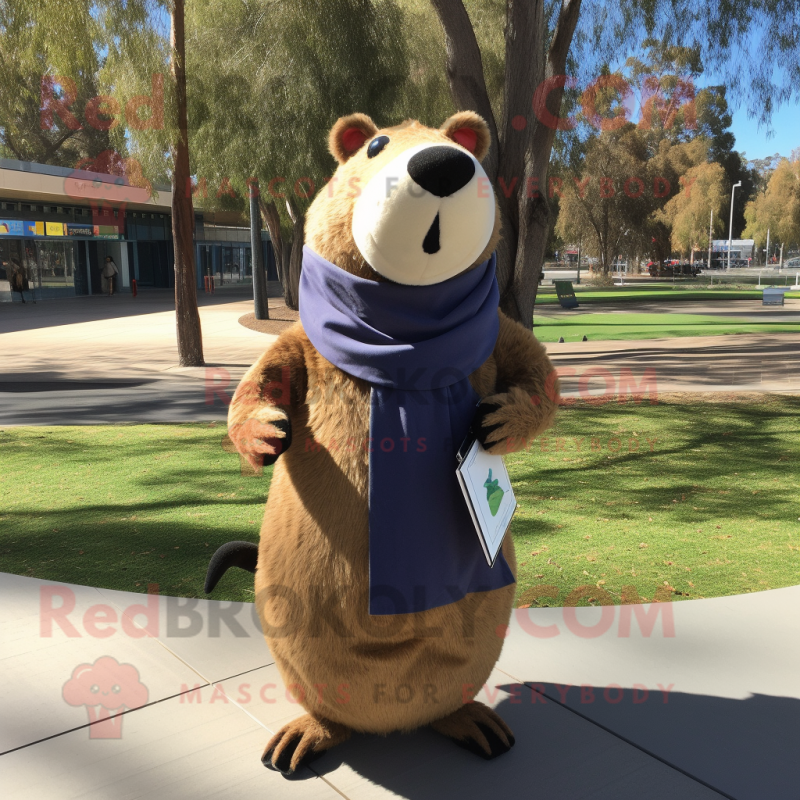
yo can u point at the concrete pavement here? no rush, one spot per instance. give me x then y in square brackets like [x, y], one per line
[99, 359]
[695, 700]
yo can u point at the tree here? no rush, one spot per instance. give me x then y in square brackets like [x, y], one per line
[616, 205]
[538, 39]
[263, 109]
[71, 49]
[607, 203]
[763, 169]
[44, 91]
[673, 109]
[776, 209]
[705, 188]
[665, 80]
[190, 337]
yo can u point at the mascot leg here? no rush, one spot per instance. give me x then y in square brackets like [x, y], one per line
[476, 728]
[301, 741]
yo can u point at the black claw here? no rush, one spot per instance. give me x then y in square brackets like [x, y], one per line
[479, 428]
[472, 746]
[284, 761]
[496, 745]
[282, 425]
[283, 764]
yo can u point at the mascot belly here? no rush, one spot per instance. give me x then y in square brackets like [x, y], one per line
[371, 586]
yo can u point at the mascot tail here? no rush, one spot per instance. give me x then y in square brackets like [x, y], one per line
[232, 554]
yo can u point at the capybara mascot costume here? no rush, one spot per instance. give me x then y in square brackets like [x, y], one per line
[373, 592]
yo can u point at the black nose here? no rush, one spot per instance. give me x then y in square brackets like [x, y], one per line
[441, 170]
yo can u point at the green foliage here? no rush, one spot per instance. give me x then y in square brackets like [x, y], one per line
[777, 209]
[704, 190]
[264, 107]
[687, 144]
[95, 45]
[611, 205]
[32, 52]
[488, 22]
[739, 40]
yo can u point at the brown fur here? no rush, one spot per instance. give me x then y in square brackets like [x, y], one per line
[374, 674]
[329, 220]
[469, 119]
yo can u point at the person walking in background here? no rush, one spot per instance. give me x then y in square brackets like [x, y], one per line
[18, 279]
[109, 275]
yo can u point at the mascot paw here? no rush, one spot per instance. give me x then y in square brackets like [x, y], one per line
[477, 728]
[300, 742]
[260, 442]
[505, 423]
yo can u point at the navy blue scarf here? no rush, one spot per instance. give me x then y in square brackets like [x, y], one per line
[416, 346]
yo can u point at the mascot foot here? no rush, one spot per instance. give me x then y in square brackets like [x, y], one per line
[477, 728]
[300, 742]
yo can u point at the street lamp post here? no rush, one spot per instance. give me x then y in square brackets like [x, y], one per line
[730, 226]
[710, 240]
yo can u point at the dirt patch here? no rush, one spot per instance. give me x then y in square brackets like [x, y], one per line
[280, 318]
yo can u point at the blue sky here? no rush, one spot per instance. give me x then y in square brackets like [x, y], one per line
[752, 139]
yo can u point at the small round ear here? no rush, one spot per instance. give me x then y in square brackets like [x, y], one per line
[348, 135]
[470, 131]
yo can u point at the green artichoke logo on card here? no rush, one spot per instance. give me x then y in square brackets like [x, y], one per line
[494, 494]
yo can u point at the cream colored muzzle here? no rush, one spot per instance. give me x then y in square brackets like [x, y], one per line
[426, 216]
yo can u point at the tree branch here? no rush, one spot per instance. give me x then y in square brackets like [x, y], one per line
[465, 71]
[556, 64]
[52, 147]
[562, 37]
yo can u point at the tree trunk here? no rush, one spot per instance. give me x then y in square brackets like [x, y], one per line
[271, 217]
[520, 156]
[296, 257]
[287, 289]
[260, 303]
[190, 337]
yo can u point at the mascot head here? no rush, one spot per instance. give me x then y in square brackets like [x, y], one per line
[408, 204]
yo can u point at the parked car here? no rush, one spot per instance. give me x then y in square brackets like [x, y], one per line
[673, 268]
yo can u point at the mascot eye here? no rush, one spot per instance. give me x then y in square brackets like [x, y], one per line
[116, 688]
[95, 688]
[376, 145]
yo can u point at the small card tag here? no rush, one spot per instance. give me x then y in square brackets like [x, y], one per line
[487, 489]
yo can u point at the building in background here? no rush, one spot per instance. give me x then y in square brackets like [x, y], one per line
[741, 250]
[59, 224]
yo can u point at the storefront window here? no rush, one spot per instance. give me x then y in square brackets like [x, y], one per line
[10, 257]
[56, 264]
[47, 265]
[31, 264]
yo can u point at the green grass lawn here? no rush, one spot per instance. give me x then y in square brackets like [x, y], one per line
[664, 293]
[694, 499]
[124, 506]
[598, 327]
